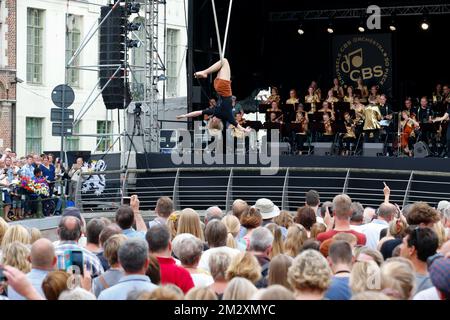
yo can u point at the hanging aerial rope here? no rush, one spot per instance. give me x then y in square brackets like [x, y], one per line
[222, 114]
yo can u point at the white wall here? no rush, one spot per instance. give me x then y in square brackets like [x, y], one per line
[35, 101]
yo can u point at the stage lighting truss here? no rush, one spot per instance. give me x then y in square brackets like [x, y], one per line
[438, 9]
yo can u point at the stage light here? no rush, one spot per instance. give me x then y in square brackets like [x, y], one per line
[361, 26]
[392, 25]
[330, 28]
[133, 7]
[134, 26]
[424, 24]
[134, 43]
[300, 30]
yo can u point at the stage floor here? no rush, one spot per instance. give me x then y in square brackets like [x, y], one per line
[157, 160]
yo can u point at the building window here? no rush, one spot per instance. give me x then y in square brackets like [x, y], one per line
[172, 62]
[73, 38]
[35, 31]
[73, 142]
[33, 135]
[104, 142]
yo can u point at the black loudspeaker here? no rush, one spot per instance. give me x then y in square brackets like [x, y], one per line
[116, 94]
[373, 149]
[196, 94]
[421, 150]
[322, 148]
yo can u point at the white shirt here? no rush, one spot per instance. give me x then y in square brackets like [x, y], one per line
[372, 232]
[202, 279]
[204, 260]
[427, 294]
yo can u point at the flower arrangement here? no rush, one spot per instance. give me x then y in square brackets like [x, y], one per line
[37, 186]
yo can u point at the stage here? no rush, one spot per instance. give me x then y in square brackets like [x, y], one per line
[157, 160]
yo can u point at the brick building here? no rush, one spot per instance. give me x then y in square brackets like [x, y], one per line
[8, 78]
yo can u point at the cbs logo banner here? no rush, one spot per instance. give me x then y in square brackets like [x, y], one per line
[366, 57]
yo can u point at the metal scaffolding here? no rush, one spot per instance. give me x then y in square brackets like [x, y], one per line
[437, 9]
[152, 67]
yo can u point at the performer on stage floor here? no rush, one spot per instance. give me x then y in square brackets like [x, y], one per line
[372, 116]
[222, 114]
[445, 117]
[348, 138]
[408, 137]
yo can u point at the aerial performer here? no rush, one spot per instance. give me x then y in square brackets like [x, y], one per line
[221, 114]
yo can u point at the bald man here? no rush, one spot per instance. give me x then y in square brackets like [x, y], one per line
[385, 214]
[69, 232]
[43, 260]
[213, 213]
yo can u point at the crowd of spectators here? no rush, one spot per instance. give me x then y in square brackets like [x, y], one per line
[335, 250]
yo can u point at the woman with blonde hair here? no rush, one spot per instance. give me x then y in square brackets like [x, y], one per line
[189, 222]
[166, 292]
[35, 234]
[396, 230]
[278, 270]
[398, 278]
[16, 233]
[233, 227]
[200, 293]
[239, 289]
[278, 243]
[3, 227]
[284, 219]
[295, 238]
[172, 223]
[16, 255]
[365, 275]
[317, 228]
[244, 265]
[310, 275]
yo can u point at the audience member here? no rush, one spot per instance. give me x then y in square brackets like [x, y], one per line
[278, 270]
[163, 209]
[372, 230]
[159, 244]
[189, 222]
[398, 279]
[213, 213]
[54, 283]
[218, 265]
[340, 258]
[133, 257]
[239, 289]
[244, 265]
[275, 292]
[295, 238]
[201, 294]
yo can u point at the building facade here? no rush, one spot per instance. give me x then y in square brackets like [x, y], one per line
[7, 73]
[48, 34]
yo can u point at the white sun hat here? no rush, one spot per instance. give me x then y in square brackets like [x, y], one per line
[267, 208]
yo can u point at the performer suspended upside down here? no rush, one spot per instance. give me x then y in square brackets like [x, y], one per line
[221, 114]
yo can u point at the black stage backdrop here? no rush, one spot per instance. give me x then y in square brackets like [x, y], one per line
[368, 57]
[264, 53]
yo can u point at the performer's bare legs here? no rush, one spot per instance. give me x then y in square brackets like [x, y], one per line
[222, 67]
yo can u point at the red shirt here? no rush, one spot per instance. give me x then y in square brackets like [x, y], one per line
[171, 273]
[361, 238]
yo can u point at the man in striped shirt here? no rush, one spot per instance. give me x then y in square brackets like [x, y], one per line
[69, 231]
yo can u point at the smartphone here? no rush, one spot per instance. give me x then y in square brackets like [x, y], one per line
[126, 200]
[2, 275]
[74, 261]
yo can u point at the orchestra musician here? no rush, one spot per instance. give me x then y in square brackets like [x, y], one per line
[292, 97]
[437, 93]
[445, 95]
[359, 110]
[326, 109]
[350, 95]
[328, 133]
[445, 117]
[387, 114]
[349, 137]
[312, 97]
[337, 89]
[331, 98]
[362, 89]
[274, 96]
[410, 108]
[374, 93]
[274, 106]
[424, 115]
[408, 137]
[300, 136]
[316, 89]
[274, 119]
[372, 116]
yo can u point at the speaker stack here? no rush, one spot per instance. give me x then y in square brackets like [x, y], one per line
[116, 93]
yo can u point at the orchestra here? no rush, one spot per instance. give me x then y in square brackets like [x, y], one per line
[350, 116]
